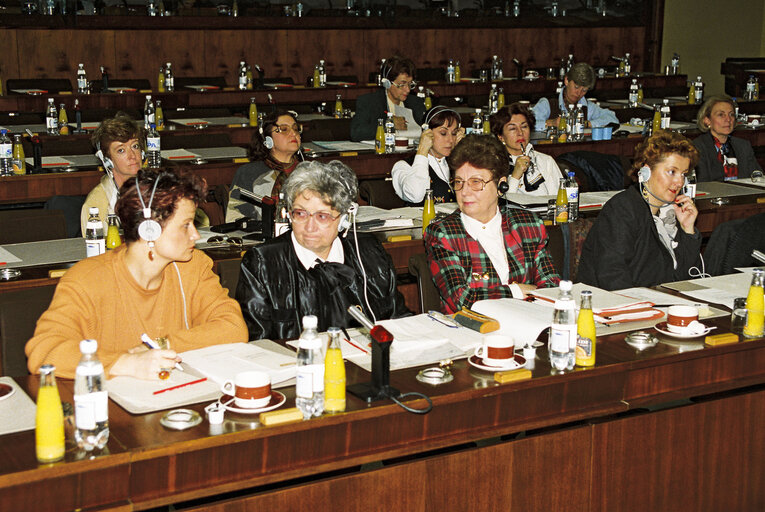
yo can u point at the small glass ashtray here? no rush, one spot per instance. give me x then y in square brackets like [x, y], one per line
[435, 375]
[641, 340]
[9, 274]
[180, 419]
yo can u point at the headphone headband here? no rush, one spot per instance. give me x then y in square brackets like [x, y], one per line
[433, 112]
[149, 229]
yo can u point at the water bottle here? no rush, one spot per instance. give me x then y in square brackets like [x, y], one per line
[633, 95]
[572, 192]
[390, 134]
[6, 154]
[477, 127]
[450, 77]
[698, 90]
[148, 112]
[749, 92]
[322, 74]
[82, 80]
[562, 344]
[309, 386]
[627, 65]
[151, 8]
[95, 243]
[51, 118]
[242, 76]
[493, 99]
[91, 401]
[665, 115]
[153, 147]
[169, 80]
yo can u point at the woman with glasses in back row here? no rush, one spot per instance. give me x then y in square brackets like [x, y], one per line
[482, 251]
[274, 152]
[310, 269]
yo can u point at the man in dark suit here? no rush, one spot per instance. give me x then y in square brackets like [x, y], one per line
[395, 96]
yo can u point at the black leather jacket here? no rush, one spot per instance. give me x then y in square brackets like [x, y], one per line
[275, 291]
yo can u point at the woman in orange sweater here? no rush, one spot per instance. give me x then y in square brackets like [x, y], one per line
[156, 284]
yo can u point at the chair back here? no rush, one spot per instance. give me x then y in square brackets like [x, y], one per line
[19, 312]
[380, 193]
[19, 226]
[426, 288]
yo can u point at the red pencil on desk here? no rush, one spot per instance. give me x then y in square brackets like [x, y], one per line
[181, 385]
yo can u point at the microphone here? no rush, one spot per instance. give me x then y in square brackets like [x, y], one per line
[662, 201]
[379, 388]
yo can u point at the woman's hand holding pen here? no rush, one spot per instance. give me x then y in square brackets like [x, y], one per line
[145, 363]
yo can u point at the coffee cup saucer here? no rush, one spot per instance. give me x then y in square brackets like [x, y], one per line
[277, 399]
[664, 329]
[516, 362]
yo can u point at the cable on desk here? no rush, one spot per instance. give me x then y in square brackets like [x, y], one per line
[411, 409]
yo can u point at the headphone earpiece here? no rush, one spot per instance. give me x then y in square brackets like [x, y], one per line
[268, 142]
[644, 174]
[503, 187]
[347, 218]
[143, 156]
[108, 164]
[384, 72]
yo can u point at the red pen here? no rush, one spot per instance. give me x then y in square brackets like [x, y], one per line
[181, 385]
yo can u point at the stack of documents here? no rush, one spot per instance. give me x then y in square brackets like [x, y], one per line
[608, 307]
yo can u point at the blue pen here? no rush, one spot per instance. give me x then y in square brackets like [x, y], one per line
[443, 319]
[150, 343]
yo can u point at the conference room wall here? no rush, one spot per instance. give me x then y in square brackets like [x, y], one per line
[55, 53]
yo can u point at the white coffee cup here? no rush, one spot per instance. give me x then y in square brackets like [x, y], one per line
[679, 318]
[251, 389]
[496, 350]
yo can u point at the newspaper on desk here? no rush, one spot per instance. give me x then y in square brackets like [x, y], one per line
[717, 290]
[216, 363]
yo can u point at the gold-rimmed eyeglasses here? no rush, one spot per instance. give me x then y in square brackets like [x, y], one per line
[232, 241]
[475, 184]
[324, 218]
[411, 85]
[285, 128]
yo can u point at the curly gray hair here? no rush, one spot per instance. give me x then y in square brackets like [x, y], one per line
[334, 182]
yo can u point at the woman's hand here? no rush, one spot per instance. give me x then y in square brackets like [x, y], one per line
[426, 142]
[521, 164]
[143, 363]
[686, 213]
[460, 135]
[526, 289]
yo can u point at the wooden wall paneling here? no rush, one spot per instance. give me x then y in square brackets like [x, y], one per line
[715, 465]
[9, 57]
[45, 53]
[140, 54]
[417, 45]
[338, 48]
[226, 48]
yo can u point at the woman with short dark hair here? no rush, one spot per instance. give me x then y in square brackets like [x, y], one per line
[482, 251]
[274, 151]
[156, 284]
[646, 235]
[530, 172]
[428, 169]
[310, 269]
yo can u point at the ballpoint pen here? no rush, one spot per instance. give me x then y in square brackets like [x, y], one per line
[150, 343]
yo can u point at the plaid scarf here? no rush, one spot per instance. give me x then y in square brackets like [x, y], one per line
[284, 171]
[727, 158]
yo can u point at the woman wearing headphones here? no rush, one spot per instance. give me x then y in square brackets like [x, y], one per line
[156, 284]
[481, 251]
[310, 270]
[428, 169]
[274, 151]
[120, 144]
[646, 235]
[531, 172]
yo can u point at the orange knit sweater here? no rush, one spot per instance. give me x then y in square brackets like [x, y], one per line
[99, 299]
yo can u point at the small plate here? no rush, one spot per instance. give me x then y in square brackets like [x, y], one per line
[6, 391]
[662, 328]
[517, 362]
[277, 399]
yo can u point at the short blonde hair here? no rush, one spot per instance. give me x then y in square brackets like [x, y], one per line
[706, 110]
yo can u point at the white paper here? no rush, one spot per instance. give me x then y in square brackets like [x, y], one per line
[522, 320]
[717, 290]
[17, 412]
[222, 362]
[178, 154]
[137, 395]
[7, 256]
[342, 145]
[603, 301]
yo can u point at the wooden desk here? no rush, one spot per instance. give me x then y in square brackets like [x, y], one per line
[593, 440]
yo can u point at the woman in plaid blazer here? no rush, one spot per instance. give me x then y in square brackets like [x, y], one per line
[482, 251]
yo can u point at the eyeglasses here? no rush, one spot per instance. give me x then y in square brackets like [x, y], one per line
[233, 241]
[324, 218]
[411, 85]
[475, 184]
[285, 128]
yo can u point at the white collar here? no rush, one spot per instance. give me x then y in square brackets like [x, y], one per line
[308, 258]
[476, 228]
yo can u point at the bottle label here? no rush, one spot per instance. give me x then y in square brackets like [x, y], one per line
[82, 83]
[152, 143]
[583, 348]
[6, 150]
[95, 247]
[90, 409]
[309, 380]
[51, 123]
[90, 370]
[562, 338]
[390, 139]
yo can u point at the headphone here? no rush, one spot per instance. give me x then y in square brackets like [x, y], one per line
[385, 70]
[433, 112]
[644, 174]
[268, 141]
[348, 218]
[108, 164]
[149, 229]
[503, 187]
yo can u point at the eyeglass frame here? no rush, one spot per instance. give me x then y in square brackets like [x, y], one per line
[221, 240]
[411, 85]
[294, 218]
[453, 183]
[285, 128]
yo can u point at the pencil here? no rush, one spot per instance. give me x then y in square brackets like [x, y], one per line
[181, 385]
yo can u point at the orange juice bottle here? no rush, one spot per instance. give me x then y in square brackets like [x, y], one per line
[161, 80]
[49, 422]
[656, 123]
[63, 121]
[380, 138]
[561, 204]
[585, 332]
[428, 102]
[334, 374]
[692, 94]
[253, 113]
[755, 305]
[428, 209]
[113, 239]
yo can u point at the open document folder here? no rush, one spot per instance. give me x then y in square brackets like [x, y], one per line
[205, 370]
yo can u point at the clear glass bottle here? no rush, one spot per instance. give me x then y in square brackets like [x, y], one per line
[113, 239]
[49, 420]
[428, 209]
[153, 148]
[159, 116]
[19, 161]
[95, 243]
[572, 194]
[242, 76]
[253, 113]
[450, 72]
[665, 115]
[169, 78]
[281, 218]
[334, 373]
[755, 305]
[91, 400]
[477, 126]
[585, 332]
[309, 386]
[390, 134]
[51, 118]
[380, 138]
[82, 80]
[633, 94]
[562, 344]
[6, 154]
[149, 112]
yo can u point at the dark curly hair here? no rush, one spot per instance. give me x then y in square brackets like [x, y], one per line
[482, 152]
[501, 117]
[659, 146]
[172, 186]
[258, 150]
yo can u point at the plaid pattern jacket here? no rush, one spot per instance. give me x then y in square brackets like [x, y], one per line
[462, 271]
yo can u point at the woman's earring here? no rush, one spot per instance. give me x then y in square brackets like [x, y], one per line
[151, 253]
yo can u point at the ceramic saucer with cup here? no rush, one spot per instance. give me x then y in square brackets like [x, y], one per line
[250, 392]
[683, 322]
[496, 353]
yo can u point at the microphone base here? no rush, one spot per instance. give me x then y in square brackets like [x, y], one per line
[369, 393]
